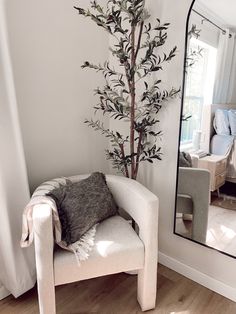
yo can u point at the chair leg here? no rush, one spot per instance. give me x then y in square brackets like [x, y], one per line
[46, 298]
[43, 242]
[147, 281]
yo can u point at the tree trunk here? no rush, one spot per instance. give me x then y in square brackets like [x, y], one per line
[132, 109]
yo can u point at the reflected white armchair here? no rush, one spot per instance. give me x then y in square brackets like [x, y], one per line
[193, 198]
[117, 247]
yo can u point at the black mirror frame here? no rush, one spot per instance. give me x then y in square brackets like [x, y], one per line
[180, 129]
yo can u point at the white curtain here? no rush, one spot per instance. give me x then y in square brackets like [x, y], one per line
[225, 77]
[17, 270]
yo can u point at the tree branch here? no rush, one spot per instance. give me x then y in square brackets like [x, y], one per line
[139, 39]
[123, 156]
[138, 153]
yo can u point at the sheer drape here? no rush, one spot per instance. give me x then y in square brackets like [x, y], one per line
[225, 73]
[17, 272]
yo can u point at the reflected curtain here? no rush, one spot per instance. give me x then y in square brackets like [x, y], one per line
[17, 270]
[225, 74]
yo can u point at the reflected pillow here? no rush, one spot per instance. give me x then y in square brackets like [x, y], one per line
[232, 121]
[221, 122]
[185, 159]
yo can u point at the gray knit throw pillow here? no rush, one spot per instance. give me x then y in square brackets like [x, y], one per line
[83, 204]
[185, 159]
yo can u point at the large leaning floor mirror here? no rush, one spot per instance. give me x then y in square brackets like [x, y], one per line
[206, 184]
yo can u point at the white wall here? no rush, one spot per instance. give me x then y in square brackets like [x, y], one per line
[162, 179]
[48, 44]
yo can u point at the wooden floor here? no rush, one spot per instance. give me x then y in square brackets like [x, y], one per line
[116, 294]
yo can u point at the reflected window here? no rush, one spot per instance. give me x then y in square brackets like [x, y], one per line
[199, 87]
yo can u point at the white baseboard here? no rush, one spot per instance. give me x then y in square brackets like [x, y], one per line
[195, 275]
[3, 292]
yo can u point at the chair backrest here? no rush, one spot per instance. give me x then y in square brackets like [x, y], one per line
[125, 196]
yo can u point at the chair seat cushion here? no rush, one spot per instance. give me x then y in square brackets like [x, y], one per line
[117, 248]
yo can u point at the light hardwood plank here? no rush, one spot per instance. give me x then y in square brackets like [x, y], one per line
[116, 294]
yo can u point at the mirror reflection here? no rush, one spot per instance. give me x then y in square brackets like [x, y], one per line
[206, 187]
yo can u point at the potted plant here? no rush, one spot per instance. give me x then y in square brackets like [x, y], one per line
[136, 44]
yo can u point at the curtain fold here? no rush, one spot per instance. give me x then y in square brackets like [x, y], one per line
[223, 88]
[17, 266]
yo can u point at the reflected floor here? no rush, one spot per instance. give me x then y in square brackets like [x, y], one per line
[221, 233]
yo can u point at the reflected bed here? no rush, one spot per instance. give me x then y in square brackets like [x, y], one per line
[231, 168]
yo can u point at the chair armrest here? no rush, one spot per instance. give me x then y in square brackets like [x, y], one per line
[43, 231]
[134, 198]
[142, 205]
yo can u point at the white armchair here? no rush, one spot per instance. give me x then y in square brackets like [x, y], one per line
[117, 247]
